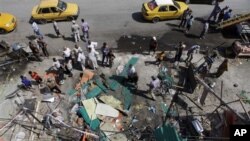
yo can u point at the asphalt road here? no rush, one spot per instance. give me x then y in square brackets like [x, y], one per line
[109, 20]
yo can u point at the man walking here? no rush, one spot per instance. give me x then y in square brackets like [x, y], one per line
[153, 45]
[204, 30]
[189, 23]
[92, 57]
[85, 30]
[56, 28]
[154, 84]
[179, 51]
[76, 31]
[190, 53]
[184, 18]
[105, 51]
[215, 12]
[36, 29]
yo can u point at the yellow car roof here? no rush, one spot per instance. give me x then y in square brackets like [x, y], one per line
[48, 3]
[164, 2]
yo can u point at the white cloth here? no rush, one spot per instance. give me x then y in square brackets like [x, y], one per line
[92, 45]
[81, 57]
[35, 26]
[206, 26]
[78, 49]
[69, 65]
[67, 52]
[57, 64]
[92, 57]
[155, 83]
[131, 71]
[85, 26]
[75, 28]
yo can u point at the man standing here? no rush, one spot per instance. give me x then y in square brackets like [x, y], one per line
[35, 51]
[76, 31]
[154, 84]
[43, 45]
[92, 45]
[66, 54]
[153, 45]
[215, 12]
[105, 51]
[130, 72]
[191, 51]
[81, 59]
[56, 28]
[92, 57]
[36, 77]
[36, 29]
[189, 23]
[111, 57]
[179, 51]
[59, 71]
[184, 18]
[85, 30]
[205, 30]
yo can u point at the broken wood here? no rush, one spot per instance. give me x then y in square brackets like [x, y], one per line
[222, 102]
[241, 103]
[193, 102]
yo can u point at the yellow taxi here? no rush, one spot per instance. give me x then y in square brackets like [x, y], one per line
[7, 22]
[162, 10]
[49, 10]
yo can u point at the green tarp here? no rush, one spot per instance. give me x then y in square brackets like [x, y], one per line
[94, 124]
[167, 133]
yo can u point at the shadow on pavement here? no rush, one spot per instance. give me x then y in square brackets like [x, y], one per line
[137, 16]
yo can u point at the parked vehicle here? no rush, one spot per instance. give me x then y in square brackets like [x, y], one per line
[7, 22]
[49, 10]
[157, 10]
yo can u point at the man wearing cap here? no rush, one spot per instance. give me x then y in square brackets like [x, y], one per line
[153, 45]
[76, 31]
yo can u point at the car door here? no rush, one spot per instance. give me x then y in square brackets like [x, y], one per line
[163, 12]
[45, 13]
[57, 13]
[173, 12]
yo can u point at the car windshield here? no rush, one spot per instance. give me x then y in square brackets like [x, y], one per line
[152, 5]
[176, 4]
[62, 5]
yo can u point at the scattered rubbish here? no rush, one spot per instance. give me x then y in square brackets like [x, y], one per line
[152, 109]
[133, 43]
[20, 136]
[48, 98]
[106, 110]
[197, 125]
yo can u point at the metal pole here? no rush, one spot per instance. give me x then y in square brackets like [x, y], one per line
[222, 102]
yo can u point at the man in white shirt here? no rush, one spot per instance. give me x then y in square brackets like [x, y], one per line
[36, 29]
[154, 84]
[92, 45]
[81, 59]
[92, 57]
[66, 54]
[76, 31]
[205, 30]
[85, 29]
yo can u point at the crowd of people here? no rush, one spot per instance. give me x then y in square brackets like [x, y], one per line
[77, 57]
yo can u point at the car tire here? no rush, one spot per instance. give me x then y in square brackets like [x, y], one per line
[155, 19]
[70, 18]
[2, 31]
[42, 21]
